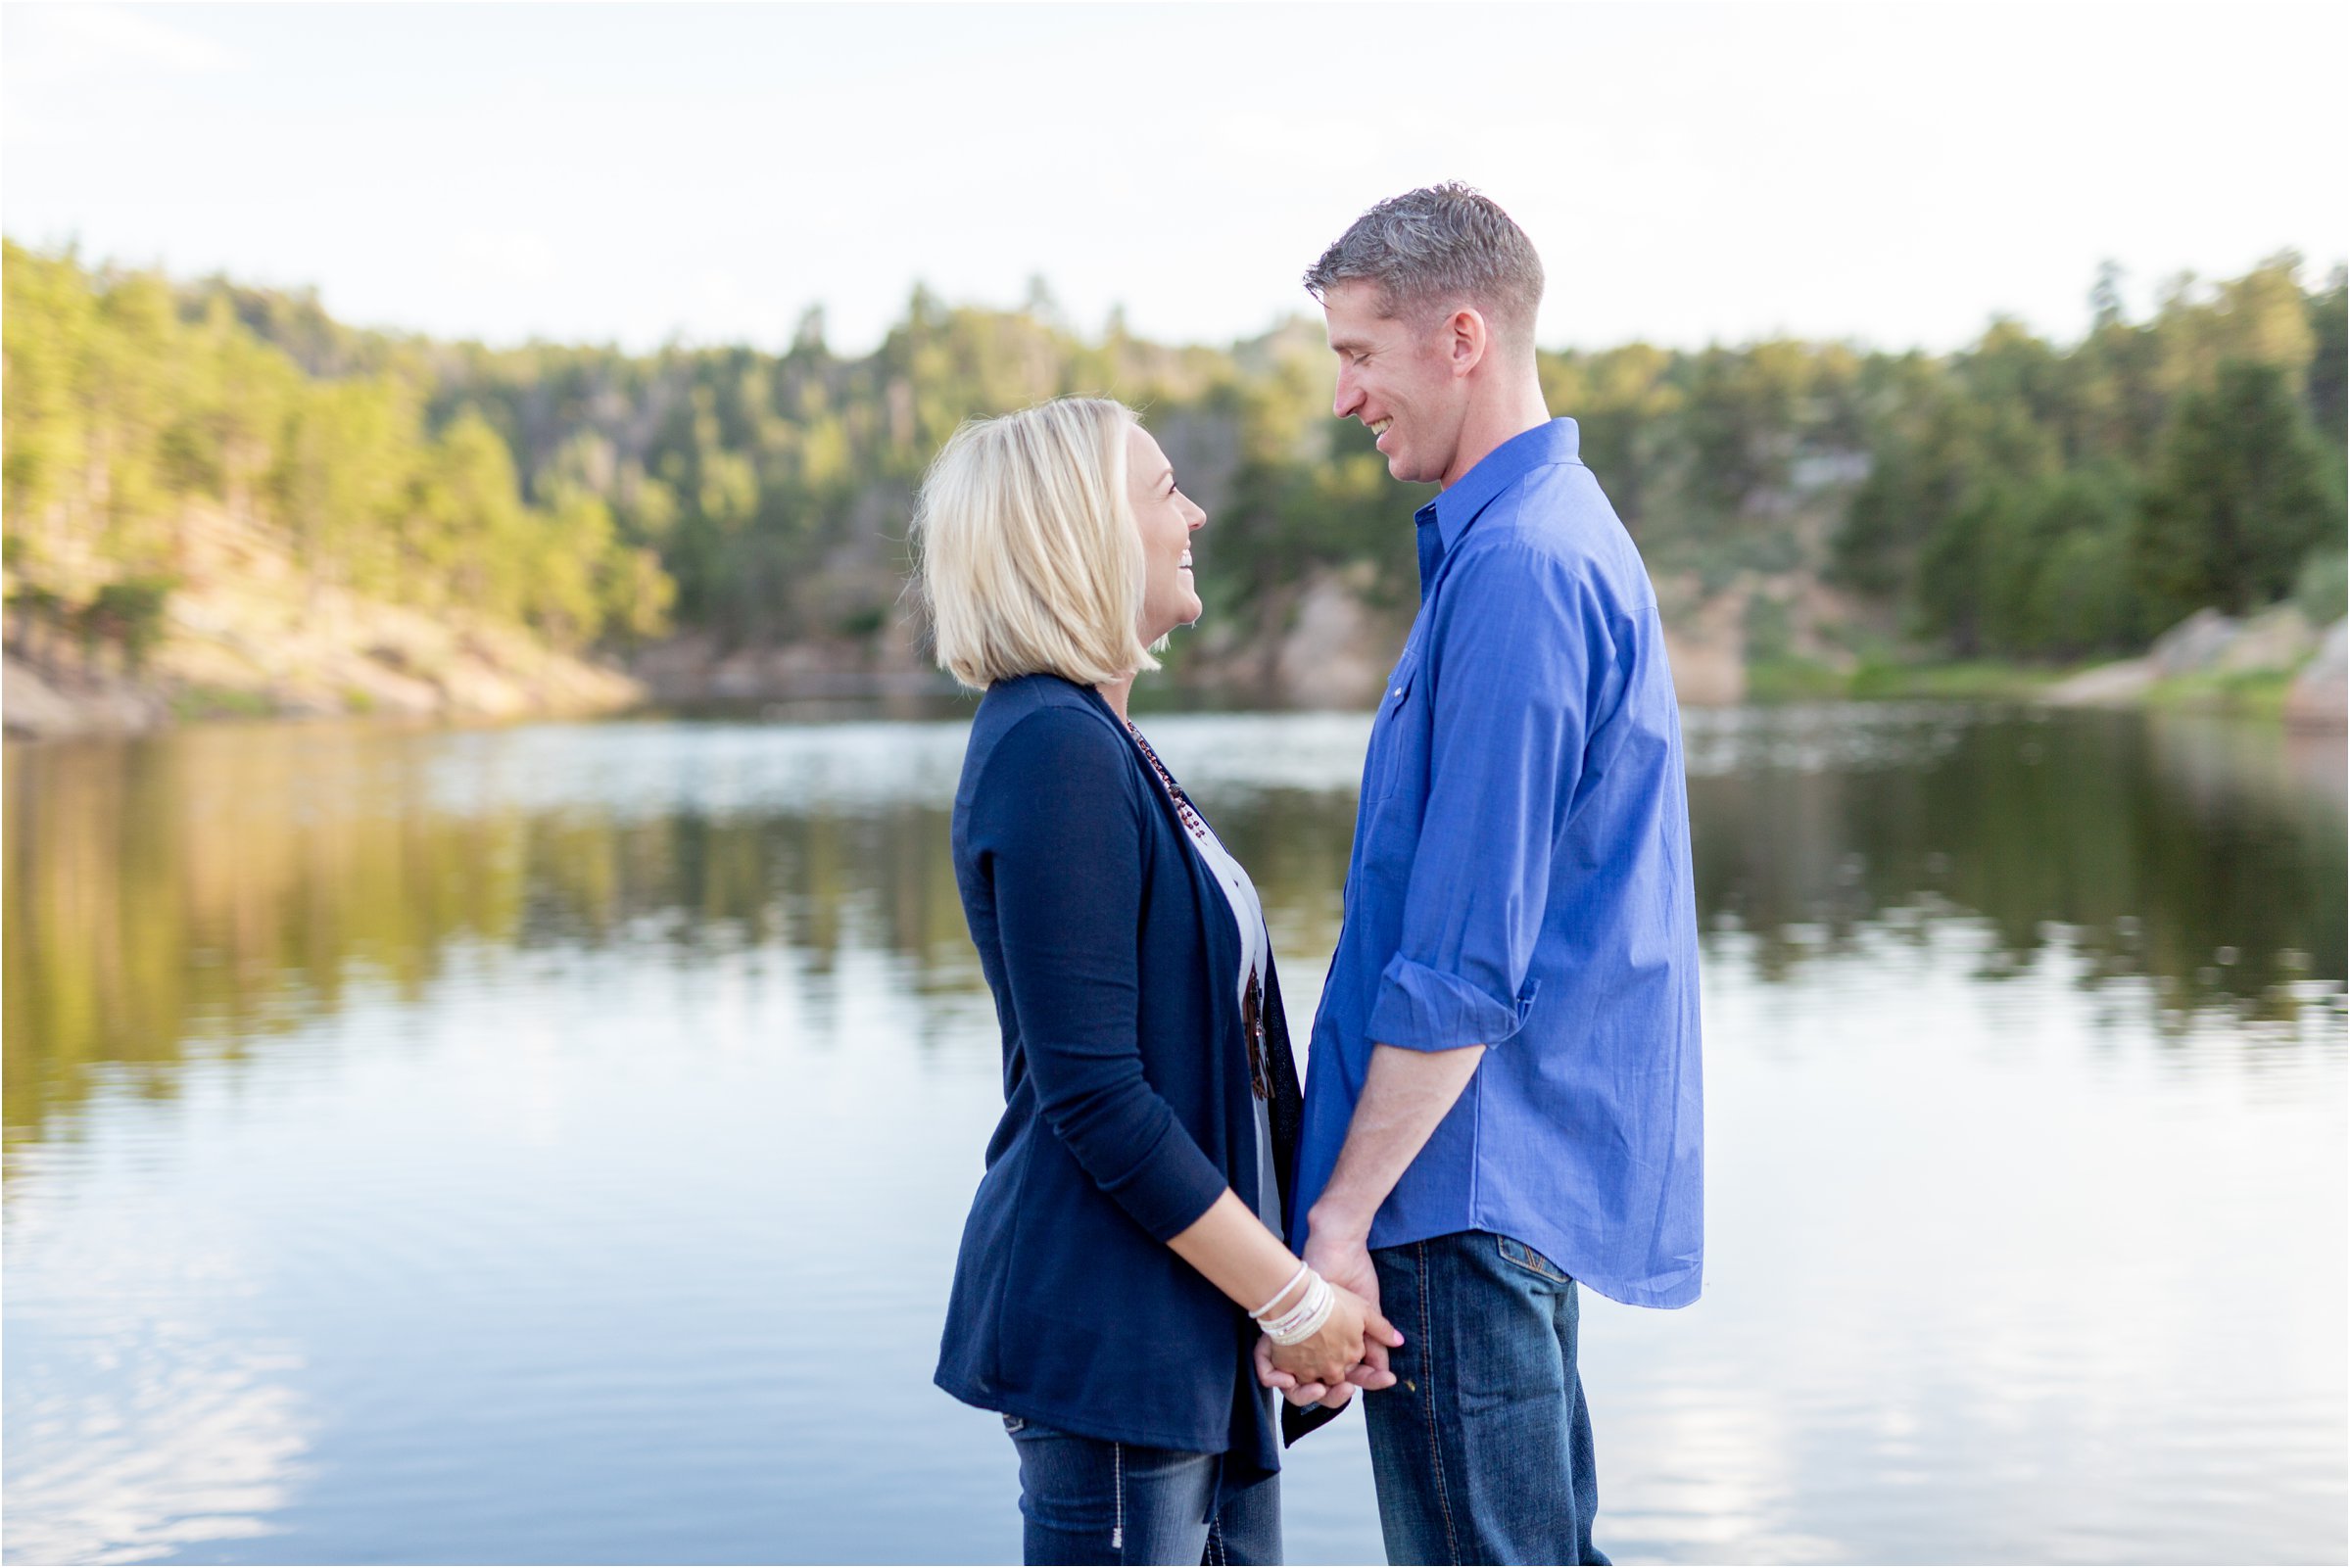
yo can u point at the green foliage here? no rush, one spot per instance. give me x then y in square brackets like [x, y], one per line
[2322, 586]
[2026, 502]
[2017, 499]
[132, 409]
[1795, 680]
[2329, 360]
[1948, 681]
[2039, 568]
[2244, 490]
[130, 615]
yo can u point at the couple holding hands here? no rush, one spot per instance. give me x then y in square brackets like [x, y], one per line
[1176, 1260]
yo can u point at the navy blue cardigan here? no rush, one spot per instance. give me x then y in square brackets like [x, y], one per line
[1114, 957]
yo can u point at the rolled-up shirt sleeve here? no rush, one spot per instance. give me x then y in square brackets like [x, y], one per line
[1510, 664]
[1059, 825]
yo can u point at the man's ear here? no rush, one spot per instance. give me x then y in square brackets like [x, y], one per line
[1466, 340]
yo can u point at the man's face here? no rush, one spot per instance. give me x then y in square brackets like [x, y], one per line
[1395, 379]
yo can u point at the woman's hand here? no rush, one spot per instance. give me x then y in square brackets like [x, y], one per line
[1334, 1361]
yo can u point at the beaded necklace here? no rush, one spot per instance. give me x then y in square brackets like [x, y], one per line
[1252, 1002]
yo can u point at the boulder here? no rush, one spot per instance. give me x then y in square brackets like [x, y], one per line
[38, 706]
[2280, 639]
[2320, 696]
[1336, 653]
[2118, 684]
[2194, 645]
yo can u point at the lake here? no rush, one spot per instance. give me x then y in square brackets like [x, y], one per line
[549, 1144]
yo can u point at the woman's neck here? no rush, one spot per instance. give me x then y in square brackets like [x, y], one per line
[1114, 692]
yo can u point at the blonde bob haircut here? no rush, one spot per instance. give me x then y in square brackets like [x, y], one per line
[1026, 550]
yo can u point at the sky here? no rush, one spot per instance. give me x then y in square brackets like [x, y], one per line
[1894, 174]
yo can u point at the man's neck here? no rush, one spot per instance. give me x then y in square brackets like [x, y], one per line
[1512, 410]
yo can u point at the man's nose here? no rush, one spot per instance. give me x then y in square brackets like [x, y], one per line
[1344, 399]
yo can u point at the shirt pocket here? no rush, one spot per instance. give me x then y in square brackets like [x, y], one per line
[1397, 733]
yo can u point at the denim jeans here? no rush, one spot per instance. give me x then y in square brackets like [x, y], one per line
[1482, 1449]
[1091, 1501]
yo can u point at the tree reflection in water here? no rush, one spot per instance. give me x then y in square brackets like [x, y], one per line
[197, 895]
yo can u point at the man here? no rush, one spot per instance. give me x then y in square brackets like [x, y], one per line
[1503, 1097]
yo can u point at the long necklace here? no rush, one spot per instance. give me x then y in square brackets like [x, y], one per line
[1252, 1001]
[1174, 791]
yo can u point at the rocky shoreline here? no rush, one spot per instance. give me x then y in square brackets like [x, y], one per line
[243, 634]
[2199, 661]
[262, 654]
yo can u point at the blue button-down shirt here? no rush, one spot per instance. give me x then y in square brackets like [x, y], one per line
[1520, 880]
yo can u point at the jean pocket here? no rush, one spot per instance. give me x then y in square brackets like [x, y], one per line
[1516, 1252]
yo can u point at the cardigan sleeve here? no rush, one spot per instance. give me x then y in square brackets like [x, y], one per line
[1057, 822]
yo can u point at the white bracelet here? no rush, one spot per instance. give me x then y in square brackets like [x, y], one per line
[1283, 1322]
[1293, 1330]
[1260, 1312]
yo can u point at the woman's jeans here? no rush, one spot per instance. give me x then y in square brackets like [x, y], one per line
[1092, 1500]
[1482, 1449]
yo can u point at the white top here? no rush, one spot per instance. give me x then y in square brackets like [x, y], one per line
[1248, 913]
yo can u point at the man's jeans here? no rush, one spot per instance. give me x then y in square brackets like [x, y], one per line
[1091, 1501]
[1482, 1449]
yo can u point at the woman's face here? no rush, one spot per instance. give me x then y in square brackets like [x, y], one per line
[1165, 517]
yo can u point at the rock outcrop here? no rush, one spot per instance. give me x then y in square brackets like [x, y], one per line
[246, 635]
[2212, 646]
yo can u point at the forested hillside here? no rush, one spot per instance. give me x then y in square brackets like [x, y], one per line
[2022, 497]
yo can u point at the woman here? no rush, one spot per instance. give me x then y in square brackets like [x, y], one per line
[1124, 1252]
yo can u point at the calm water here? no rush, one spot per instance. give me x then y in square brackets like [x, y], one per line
[548, 1145]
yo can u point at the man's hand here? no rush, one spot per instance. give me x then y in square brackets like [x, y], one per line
[1338, 1348]
[1343, 1259]
[1341, 1254]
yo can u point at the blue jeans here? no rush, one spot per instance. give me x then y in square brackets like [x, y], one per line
[1091, 1501]
[1482, 1449]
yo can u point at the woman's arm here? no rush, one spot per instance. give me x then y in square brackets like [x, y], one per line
[1059, 823]
[1056, 820]
[1231, 1246]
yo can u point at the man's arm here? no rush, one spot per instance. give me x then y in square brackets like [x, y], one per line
[1513, 645]
[1404, 1095]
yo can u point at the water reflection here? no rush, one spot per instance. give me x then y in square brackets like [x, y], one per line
[173, 1431]
[2206, 856]
[549, 1144]
[201, 893]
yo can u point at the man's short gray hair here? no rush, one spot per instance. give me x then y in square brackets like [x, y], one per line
[1431, 249]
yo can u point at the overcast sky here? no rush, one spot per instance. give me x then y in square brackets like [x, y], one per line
[1895, 173]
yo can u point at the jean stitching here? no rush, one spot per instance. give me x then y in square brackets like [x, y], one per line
[1118, 1484]
[1215, 1552]
[1552, 1272]
[1427, 1383]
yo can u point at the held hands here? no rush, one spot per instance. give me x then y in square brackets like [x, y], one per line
[1349, 1350]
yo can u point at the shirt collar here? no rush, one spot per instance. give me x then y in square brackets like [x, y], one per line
[1456, 508]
